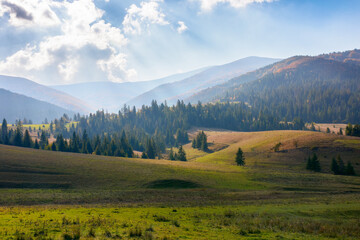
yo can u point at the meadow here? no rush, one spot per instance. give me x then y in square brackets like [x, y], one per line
[55, 195]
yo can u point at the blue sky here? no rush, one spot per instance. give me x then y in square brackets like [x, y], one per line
[62, 42]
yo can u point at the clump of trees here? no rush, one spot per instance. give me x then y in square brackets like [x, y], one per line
[313, 163]
[200, 141]
[353, 130]
[240, 158]
[180, 155]
[338, 167]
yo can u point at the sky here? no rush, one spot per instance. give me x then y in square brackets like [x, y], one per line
[56, 42]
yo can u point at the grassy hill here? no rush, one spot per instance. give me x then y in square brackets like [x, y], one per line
[206, 197]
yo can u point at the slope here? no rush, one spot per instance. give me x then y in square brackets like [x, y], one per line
[312, 88]
[15, 106]
[43, 93]
[171, 92]
[111, 96]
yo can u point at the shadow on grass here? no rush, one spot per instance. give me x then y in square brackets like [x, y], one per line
[172, 183]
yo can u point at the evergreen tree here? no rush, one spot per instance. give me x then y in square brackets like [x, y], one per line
[4, 132]
[43, 140]
[53, 146]
[335, 166]
[27, 140]
[349, 169]
[150, 149]
[36, 145]
[316, 163]
[341, 165]
[240, 159]
[309, 164]
[18, 136]
[60, 143]
[181, 154]
[171, 155]
[144, 155]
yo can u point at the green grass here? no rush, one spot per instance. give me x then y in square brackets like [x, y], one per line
[54, 195]
[333, 218]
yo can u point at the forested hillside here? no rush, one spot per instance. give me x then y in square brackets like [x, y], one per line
[313, 88]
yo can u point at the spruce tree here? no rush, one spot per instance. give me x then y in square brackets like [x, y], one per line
[4, 132]
[316, 163]
[53, 146]
[171, 155]
[349, 169]
[36, 145]
[181, 154]
[341, 165]
[144, 155]
[240, 159]
[334, 166]
[27, 139]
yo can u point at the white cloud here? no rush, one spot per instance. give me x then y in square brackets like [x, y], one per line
[141, 17]
[85, 39]
[208, 5]
[182, 27]
[25, 13]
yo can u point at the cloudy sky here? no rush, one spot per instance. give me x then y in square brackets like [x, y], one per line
[62, 42]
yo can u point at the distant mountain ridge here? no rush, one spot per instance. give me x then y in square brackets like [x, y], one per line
[111, 96]
[182, 89]
[16, 106]
[43, 93]
[322, 89]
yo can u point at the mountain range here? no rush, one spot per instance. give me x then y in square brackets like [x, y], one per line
[322, 88]
[15, 106]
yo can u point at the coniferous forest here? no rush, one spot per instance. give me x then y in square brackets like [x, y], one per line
[150, 129]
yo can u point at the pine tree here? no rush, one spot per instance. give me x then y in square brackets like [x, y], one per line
[240, 159]
[334, 166]
[53, 146]
[27, 140]
[18, 137]
[4, 132]
[43, 140]
[309, 164]
[171, 155]
[144, 155]
[181, 154]
[316, 163]
[350, 169]
[341, 165]
[36, 145]
[151, 150]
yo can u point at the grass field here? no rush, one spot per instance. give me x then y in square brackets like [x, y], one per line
[53, 195]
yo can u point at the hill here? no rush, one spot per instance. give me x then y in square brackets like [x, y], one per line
[182, 89]
[15, 106]
[111, 96]
[43, 93]
[315, 89]
[121, 198]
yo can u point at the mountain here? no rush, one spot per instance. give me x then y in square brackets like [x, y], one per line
[352, 56]
[43, 93]
[15, 106]
[111, 96]
[313, 88]
[182, 89]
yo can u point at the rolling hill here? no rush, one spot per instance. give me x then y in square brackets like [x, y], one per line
[15, 106]
[313, 88]
[111, 96]
[182, 89]
[43, 93]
